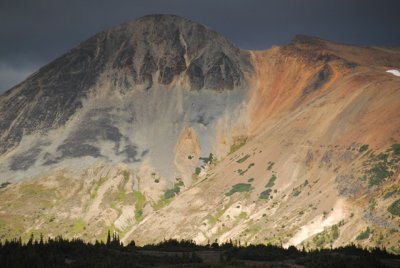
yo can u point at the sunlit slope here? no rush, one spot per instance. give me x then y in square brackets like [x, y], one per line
[310, 170]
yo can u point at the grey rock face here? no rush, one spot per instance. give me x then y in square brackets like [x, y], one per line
[318, 80]
[162, 44]
[51, 96]
[110, 97]
[172, 46]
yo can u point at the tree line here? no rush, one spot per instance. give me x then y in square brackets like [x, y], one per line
[61, 252]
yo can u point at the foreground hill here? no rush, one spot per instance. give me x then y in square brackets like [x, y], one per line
[161, 128]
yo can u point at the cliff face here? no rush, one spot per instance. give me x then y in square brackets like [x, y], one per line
[132, 88]
[160, 128]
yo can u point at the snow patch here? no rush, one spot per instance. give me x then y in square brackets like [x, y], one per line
[394, 72]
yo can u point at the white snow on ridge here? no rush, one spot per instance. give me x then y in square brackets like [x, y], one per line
[394, 72]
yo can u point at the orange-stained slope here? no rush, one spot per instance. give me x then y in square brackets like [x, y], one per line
[342, 98]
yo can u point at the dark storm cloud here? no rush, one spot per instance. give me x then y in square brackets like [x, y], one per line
[32, 33]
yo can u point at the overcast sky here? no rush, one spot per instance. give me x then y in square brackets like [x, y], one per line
[34, 32]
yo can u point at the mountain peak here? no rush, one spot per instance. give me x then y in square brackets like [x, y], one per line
[174, 45]
[158, 22]
[163, 17]
[150, 53]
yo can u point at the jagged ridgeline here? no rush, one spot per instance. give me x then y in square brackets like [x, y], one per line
[161, 128]
[124, 95]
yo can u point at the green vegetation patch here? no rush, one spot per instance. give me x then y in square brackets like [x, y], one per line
[378, 174]
[140, 201]
[251, 231]
[394, 250]
[179, 182]
[239, 142]
[297, 190]
[335, 232]
[319, 239]
[270, 165]
[271, 181]
[126, 175]
[214, 218]
[396, 149]
[326, 237]
[78, 226]
[161, 203]
[242, 216]
[239, 188]
[207, 160]
[391, 193]
[139, 198]
[170, 193]
[121, 196]
[2, 224]
[242, 172]
[394, 208]
[97, 186]
[378, 168]
[138, 215]
[364, 234]
[265, 194]
[244, 158]
[363, 148]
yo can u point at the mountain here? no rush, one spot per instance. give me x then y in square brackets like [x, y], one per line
[161, 128]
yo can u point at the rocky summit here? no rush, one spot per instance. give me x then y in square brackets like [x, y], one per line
[160, 128]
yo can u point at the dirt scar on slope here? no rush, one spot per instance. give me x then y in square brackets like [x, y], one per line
[394, 72]
[318, 224]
